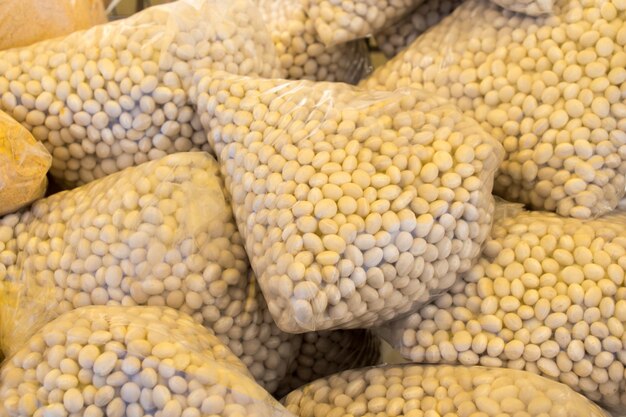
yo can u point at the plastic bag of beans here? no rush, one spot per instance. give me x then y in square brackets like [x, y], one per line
[301, 53]
[115, 95]
[550, 89]
[24, 163]
[129, 361]
[328, 352]
[547, 296]
[161, 233]
[393, 39]
[340, 22]
[419, 390]
[355, 206]
[24, 22]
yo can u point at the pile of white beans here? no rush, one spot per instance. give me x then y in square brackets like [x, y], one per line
[115, 96]
[551, 89]
[429, 391]
[157, 234]
[395, 38]
[548, 297]
[338, 22]
[355, 206]
[301, 53]
[129, 362]
[328, 352]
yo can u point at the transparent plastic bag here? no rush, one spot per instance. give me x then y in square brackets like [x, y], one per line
[346, 220]
[129, 361]
[115, 96]
[161, 233]
[24, 22]
[393, 39]
[328, 352]
[301, 53]
[528, 7]
[547, 296]
[555, 103]
[340, 22]
[420, 390]
[24, 163]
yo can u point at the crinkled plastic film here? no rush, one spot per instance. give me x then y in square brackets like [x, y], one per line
[301, 53]
[115, 96]
[528, 7]
[341, 22]
[290, 150]
[393, 39]
[119, 361]
[25, 22]
[24, 163]
[161, 233]
[328, 352]
[555, 103]
[547, 296]
[412, 389]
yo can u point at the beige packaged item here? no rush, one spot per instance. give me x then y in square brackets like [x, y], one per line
[161, 233]
[129, 361]
[115, 96]
[24, 22]
[421, 391]
[548, 296]
[338, 22]
[393, 39]
[329, 352]
[301, 53]
[24, 163]
[550, 89]
[355, 206]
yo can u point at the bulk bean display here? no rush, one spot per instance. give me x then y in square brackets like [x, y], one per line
[355, 207]
[429, 391]
[129, 362]
[338, 22]
[547, 296]
[301, 53]
[393, 39]
[157, 234]
[551, 89]
[115, 96]
[328, 352]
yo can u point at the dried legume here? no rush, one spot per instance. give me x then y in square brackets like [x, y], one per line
[355, 207]
[547, 296]
[551, 89]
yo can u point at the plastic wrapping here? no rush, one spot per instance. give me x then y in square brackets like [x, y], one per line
[129, 361]
[529, 7]
[550, 95]
[328, 352]
[417, 390]
[115, 96]
[547, 297]
[393, 39]
[161, 233]
[24, 163]
[24, 22]
[301, 53]
[355, 207]
[340, 22]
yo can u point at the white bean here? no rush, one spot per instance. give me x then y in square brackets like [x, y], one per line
[324, 116]
[539, 85]
[565, 320]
